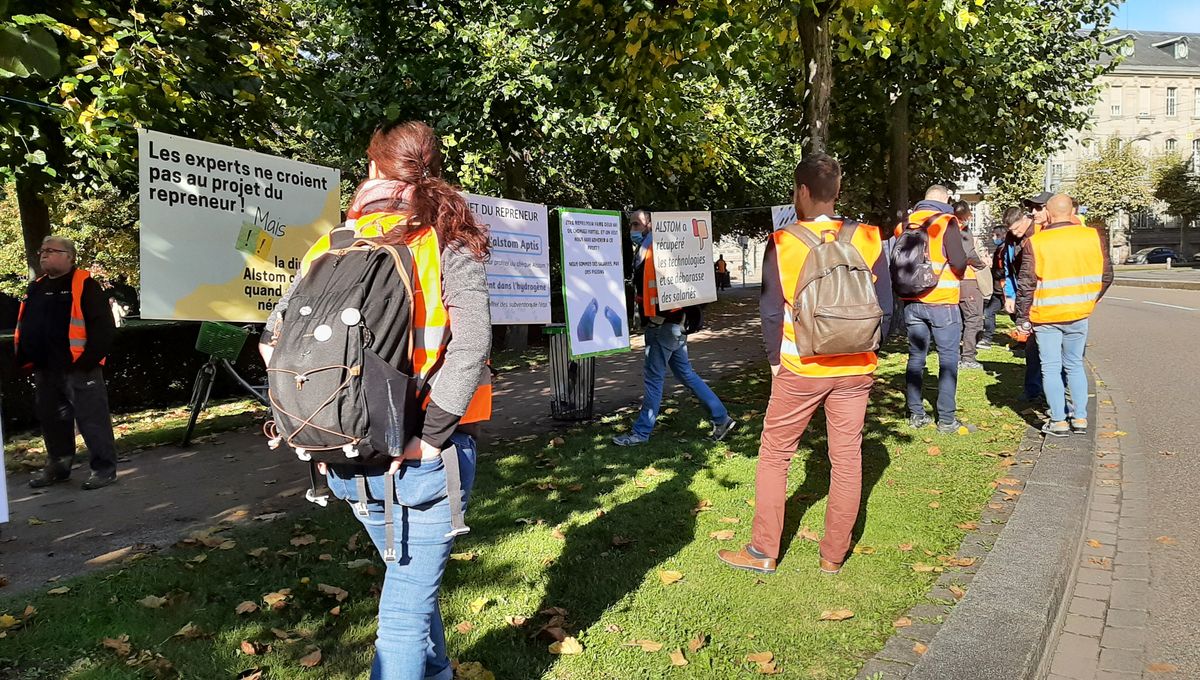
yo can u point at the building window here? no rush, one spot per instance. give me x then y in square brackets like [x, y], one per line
[1171, 101]
[1181, 49]
[1171, 146]
[1196, 155]
[1117, 94]
[1143, 102]
[1127, 48]
[1196, 96]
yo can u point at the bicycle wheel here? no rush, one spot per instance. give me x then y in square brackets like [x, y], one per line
[201, 391]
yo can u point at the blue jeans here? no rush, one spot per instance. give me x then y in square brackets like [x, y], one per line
[1061, 347]
[666, 345]
[943, 325]
[994, 304]
[411, 641]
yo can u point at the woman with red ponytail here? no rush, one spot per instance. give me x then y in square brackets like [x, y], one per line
[405, 203]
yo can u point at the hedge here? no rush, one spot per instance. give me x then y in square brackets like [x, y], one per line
[152, 365]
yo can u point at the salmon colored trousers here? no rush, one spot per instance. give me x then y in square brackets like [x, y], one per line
[794, 400]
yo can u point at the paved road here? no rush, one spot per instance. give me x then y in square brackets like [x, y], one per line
[1145, 343]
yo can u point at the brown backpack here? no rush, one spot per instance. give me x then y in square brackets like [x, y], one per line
[834, 309]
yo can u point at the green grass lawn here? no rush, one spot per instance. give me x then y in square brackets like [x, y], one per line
[576, 524]
[141, 430]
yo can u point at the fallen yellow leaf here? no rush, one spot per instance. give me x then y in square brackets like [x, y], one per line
[729, 520]
[246, 607]
[920, 648]
[1094, 543]
[465, 627]
[809, 535]
[62, 590]
[677, 658]
[902, 622]
[668, 577]
[479, 604]
[567, 647]
[119, 645]
[836, 615]
[723, 535]
[697, 643]
[1166, 540]
[648, 646]
[152, 602]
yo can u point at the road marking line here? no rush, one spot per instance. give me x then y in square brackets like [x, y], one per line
[1163, 304]
[1114, 297]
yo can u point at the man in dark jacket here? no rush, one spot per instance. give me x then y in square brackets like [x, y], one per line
[64, 331]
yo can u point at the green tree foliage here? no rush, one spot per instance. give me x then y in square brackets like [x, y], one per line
[1117, 180]
[1178, 187]
[102, 221]
[97, 69]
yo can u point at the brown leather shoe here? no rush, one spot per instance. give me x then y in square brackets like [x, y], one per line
[742, 559]
[830, 568]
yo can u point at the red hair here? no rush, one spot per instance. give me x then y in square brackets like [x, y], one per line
[411, 153]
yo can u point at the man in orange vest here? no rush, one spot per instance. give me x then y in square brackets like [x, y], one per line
[1065, 271]
[935, 317]
[64, 331]
[802, 384]
[666, 344]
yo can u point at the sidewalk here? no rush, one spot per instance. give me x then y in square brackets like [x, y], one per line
[1183, 278]
[166, 493]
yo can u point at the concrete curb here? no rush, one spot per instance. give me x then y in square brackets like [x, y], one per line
[1002, 627]
[1150, 283]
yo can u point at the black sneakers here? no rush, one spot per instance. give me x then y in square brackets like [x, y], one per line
[95, 481]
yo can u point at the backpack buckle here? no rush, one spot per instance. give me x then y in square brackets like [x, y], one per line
[303, 454]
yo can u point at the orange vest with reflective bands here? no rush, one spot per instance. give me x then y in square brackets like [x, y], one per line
[1069, 263]
[946, 292]
[431, 321]
[650, 285]
[77, 329]
[790, 253]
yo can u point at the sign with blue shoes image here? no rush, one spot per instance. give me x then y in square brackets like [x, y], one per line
[593, 281]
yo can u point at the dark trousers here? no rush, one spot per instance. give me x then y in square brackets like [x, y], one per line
[941, 324]
[1033, 370]
[994, 304]
[69, 398]
[970, 307]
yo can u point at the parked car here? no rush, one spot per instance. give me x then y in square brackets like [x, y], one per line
[1153, 256]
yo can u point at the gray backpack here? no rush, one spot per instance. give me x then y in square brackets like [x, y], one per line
[835, 309]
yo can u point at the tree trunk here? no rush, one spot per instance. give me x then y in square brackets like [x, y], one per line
[35, 221]
[817, 48]
[898, 133]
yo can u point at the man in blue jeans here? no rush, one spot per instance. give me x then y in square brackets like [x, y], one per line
[934, 315]
[1065, 272]
[666, 346]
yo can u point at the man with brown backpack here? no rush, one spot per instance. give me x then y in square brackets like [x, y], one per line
[825, 286]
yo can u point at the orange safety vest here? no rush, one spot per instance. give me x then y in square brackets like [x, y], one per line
[1069, 264]
[947, 290]
[77, 328]
[431, 321]
[650, 284]
[790, 254]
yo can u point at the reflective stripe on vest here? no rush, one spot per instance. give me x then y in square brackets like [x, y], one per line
[947, 290]
[790, 254]
[1069, 263]
[76, 326]
[431, 321]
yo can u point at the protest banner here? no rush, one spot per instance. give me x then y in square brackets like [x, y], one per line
[223, 229]
[593, 281]
[683, 260]
[782, 215]
[519, 270]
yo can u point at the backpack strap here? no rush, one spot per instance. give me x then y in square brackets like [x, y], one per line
[389, 520]
[848, 230]
[806, 236]
[458, 525]
[406, 279]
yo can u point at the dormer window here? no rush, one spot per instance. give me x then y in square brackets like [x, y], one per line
[1176, 47]
[1127, 48]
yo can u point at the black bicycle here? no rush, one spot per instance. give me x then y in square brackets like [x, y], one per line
[223, 344]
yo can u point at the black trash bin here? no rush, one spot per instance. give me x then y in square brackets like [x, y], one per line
[574, 379]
